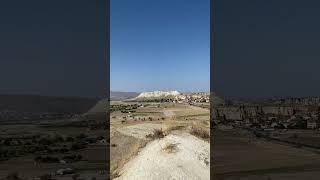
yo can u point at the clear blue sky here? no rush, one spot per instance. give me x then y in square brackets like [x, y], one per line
[160, 45]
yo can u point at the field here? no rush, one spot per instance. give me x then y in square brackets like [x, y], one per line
[38, 149]
[240, 155]
[166, 132]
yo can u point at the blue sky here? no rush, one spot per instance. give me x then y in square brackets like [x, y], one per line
[159, 45]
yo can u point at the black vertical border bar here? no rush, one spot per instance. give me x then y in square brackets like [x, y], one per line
[107, 61]
[211, 88]
[103, 21]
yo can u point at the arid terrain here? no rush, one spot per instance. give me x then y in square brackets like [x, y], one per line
[159, 140]
[269, 139]
[64, 143]
[240, 155]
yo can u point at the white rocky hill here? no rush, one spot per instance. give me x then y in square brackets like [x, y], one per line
[158, 94]
[179, 97]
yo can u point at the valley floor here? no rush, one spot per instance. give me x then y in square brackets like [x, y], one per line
[240, 156]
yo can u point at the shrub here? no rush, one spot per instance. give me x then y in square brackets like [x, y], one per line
[170, 148]
[157, 134]
[200, 132]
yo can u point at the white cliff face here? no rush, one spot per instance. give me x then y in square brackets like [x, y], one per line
[158, 94]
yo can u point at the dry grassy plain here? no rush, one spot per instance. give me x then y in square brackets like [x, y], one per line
[240, 156]
[93, 155]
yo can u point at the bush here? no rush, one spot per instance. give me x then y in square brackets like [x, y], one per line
[157, 134]
[200, 132]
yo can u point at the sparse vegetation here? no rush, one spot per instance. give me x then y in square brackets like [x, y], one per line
[200, 132]
[113, 145]
[170, 148]
[152, 116]
[157, 134]
[50, 141]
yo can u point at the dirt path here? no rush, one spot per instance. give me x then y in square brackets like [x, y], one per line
[188, 158]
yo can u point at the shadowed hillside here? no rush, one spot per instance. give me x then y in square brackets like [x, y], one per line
[35, 103]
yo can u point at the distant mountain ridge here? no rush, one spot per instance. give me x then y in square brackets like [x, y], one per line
[51, 104]
[119, 96]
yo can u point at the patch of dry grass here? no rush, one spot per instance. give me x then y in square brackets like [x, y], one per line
[172, 126]
[200, 132]
[127, 154]
[157, 134]
[170, 148]
[206, 122]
